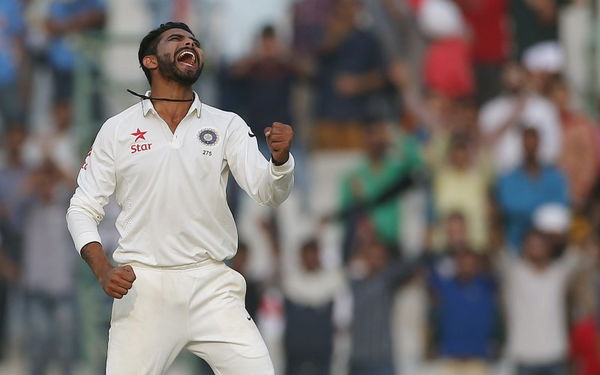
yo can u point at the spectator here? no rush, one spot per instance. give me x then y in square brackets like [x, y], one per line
[500, 119]
[268, 74]
[309, 24]
[310, 292]
[585, 346]
[392, 21]
[349, 77]
[465, 302]
[460, 184]
[57, 143]
[533, 22]
[373, 176]
[49, 271]
[489, 31]
[447, 64]
[584, 337]
[455, 233]
[374, 281]
[12, 53]
[579, 156]
[575, 28]
[522, 191]
[544, 62]
[535, 289]
[12, 180]
[65, 20]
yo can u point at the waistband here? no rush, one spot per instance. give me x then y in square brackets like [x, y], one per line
[200, 264]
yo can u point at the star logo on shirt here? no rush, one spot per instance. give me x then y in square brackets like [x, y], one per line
[139, 135]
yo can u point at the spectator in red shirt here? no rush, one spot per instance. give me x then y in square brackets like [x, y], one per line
[585, 330]
[585, 346]
[447, 64]
[487, 21]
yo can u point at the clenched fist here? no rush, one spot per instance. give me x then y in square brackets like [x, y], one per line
[117, 281]
[279, 139]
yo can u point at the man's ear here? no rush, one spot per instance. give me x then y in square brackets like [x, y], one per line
[150, 62]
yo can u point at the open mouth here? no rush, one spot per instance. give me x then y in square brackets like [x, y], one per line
[187, 58]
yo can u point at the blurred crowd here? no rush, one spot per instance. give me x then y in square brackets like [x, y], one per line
[453, 227]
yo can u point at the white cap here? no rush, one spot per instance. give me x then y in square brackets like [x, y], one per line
[545, 57]
[552, 218]
[440, 18]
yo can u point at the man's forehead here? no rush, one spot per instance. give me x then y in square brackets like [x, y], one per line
[174, 32]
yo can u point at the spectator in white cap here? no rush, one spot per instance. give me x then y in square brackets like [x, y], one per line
[535, 288]
[544, 57]
[543, 61]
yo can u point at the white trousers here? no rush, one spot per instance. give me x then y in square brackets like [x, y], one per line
[200, 309]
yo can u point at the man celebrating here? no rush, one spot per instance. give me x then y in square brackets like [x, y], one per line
[167, 159]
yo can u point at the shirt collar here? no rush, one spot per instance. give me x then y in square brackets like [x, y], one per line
[147, 106]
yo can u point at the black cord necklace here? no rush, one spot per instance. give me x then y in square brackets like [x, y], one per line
[162, 99]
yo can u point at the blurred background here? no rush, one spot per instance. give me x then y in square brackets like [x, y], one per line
[447, 203]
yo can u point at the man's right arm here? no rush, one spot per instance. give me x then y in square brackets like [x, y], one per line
[96, 182]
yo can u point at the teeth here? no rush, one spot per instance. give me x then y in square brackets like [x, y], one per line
[185, 53]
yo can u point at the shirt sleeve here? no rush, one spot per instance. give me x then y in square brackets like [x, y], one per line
[550, 132]
[569, 262]
[434, 279]
[265, 182]
[504, 262]
[96, 182]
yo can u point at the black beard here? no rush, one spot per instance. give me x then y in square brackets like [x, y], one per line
[168, 69]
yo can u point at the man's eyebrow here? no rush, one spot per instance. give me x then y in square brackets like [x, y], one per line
[183, 36]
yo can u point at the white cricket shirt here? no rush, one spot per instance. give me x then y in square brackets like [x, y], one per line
[171, 186]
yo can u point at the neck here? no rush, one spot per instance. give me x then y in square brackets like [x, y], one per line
[532, 166]
[464, 278]
[171, 90]
[376, 161]
[539, 264]
[171, 112]
[14, 160]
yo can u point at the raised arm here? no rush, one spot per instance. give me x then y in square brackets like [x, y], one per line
[490, 139]
[267, 182]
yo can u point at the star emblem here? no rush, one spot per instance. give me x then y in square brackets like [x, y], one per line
[139, 135]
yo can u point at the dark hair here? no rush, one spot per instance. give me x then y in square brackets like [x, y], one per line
[528, 129]
[310, 244]
[150, 41]
[456, 215]
[459, 140]
[268, 31]
[534, 232]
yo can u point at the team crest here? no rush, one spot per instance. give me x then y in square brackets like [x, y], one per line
[208, 136]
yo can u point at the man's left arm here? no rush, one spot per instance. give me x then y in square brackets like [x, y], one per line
[267, 182]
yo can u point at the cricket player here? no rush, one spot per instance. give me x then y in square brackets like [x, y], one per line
[167, 159]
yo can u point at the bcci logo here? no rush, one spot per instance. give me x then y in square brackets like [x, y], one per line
[208, 136]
